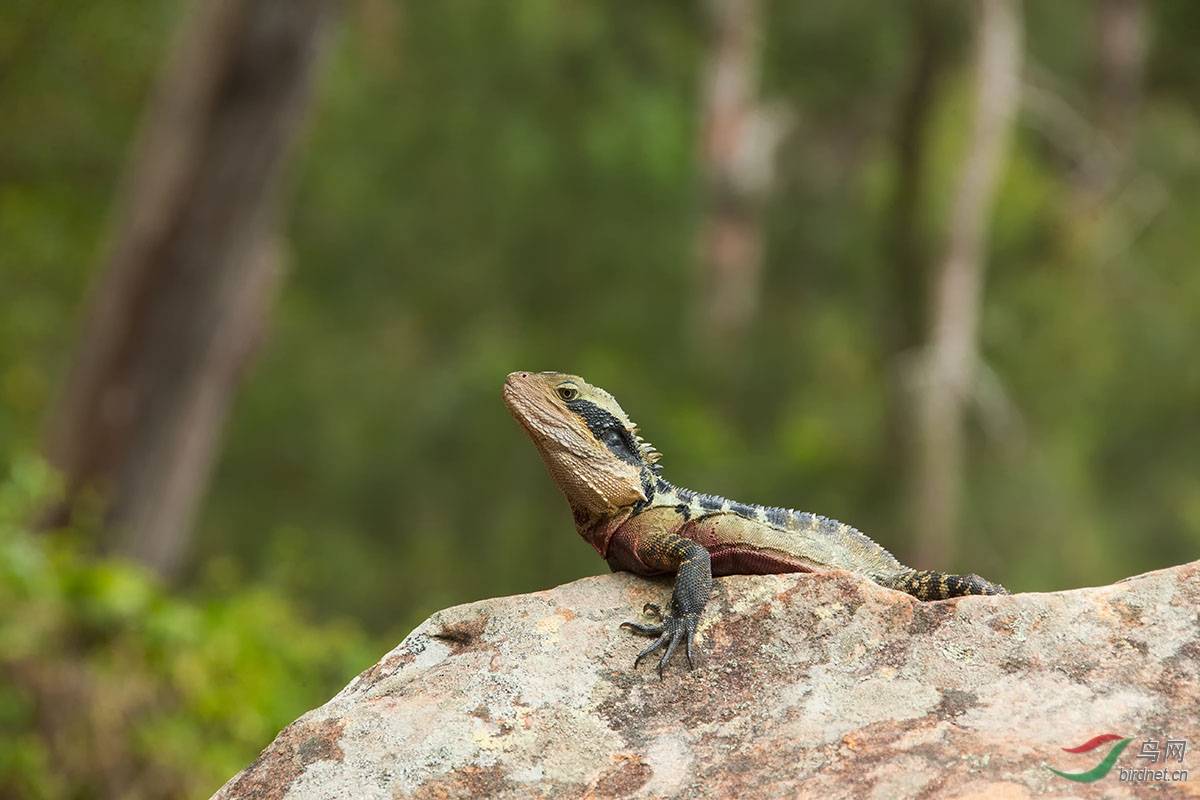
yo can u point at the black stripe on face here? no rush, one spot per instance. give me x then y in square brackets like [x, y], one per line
[607, 429]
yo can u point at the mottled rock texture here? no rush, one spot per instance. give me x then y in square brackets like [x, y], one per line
[808, 686]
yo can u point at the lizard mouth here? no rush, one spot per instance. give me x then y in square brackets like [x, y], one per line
[527, 400]
[515, 393]
[512, 382]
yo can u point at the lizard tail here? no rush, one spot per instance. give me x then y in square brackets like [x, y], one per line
[927, 584]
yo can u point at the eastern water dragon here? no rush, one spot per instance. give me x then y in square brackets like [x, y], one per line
[640, 522]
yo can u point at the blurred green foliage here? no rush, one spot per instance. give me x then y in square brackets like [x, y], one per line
[111, 687]
[497, 186]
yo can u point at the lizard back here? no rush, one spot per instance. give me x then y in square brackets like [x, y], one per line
[804, 540]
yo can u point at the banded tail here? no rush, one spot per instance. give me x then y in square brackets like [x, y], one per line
[927, 584]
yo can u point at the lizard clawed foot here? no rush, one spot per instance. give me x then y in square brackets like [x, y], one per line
[671, 632]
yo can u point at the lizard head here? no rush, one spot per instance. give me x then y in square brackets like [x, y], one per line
[589, 444]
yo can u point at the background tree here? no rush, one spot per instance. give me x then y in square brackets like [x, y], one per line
[1120, 57]
[738, 138]
[190, 275]
[948, 370]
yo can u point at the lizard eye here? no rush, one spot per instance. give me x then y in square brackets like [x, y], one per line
[567, 393]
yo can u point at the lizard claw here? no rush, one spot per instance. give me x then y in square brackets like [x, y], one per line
[673, 631]
[650, 610]
[643, 630]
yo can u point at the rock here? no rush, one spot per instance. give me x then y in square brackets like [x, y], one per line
[807, 685]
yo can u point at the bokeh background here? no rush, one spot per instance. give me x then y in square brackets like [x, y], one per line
[928, 267]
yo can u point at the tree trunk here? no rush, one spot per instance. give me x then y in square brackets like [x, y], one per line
[949, 364]
[1120, 53]
[738, 140]
[191, 273]
[906, 245]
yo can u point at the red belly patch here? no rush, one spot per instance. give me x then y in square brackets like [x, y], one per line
[742, 560]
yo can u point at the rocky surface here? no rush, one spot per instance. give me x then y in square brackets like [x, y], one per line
[809, 685]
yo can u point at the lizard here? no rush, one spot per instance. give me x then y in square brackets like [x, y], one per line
[641, 523]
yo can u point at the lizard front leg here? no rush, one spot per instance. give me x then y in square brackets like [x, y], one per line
[665, 551]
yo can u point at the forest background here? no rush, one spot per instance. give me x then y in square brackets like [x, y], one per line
[928, 267]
